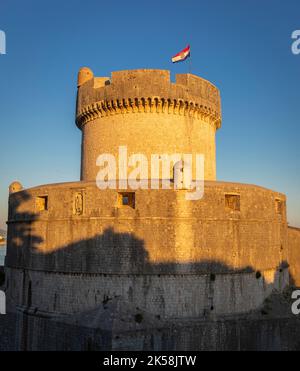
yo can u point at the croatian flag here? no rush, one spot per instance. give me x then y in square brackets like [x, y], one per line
[181, 56]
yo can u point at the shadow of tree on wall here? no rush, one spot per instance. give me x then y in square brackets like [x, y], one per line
[19, 232]
[109, 252]
[122, 253]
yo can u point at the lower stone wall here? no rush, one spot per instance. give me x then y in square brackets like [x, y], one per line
[113, 327]
[294, 255]
[234, 335]
[8, 332]
[43, 334]
[280, 334]
[169, 296]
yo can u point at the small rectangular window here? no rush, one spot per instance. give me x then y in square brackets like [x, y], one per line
[126, 199]
[279, 206]
[232, 202]
[42, 203]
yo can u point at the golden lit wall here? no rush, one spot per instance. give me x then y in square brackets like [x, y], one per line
[149, 114]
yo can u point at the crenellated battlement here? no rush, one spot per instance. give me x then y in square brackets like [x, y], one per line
[147, 112]
[148, 91]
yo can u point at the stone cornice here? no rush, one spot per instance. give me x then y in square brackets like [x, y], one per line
[153, 104]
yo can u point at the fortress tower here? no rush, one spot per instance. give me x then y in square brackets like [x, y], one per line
[145, 269]
[144, 111]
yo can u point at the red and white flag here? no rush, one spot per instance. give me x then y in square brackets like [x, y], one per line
[183, 55]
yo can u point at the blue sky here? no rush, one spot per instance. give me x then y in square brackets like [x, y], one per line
[244, 47]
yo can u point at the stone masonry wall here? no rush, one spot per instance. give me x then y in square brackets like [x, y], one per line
[167, 296]
[163, 233]
[177, 258]
[145, 111]
[294, 255]
[275, 334]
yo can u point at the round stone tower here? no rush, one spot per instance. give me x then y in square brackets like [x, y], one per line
[145, 111]
[123, 267]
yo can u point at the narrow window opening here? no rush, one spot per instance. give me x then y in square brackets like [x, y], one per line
[212, 277]
[258, 275]
[126, 199]
[42, 203]
[279, 206]
[29, 295]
